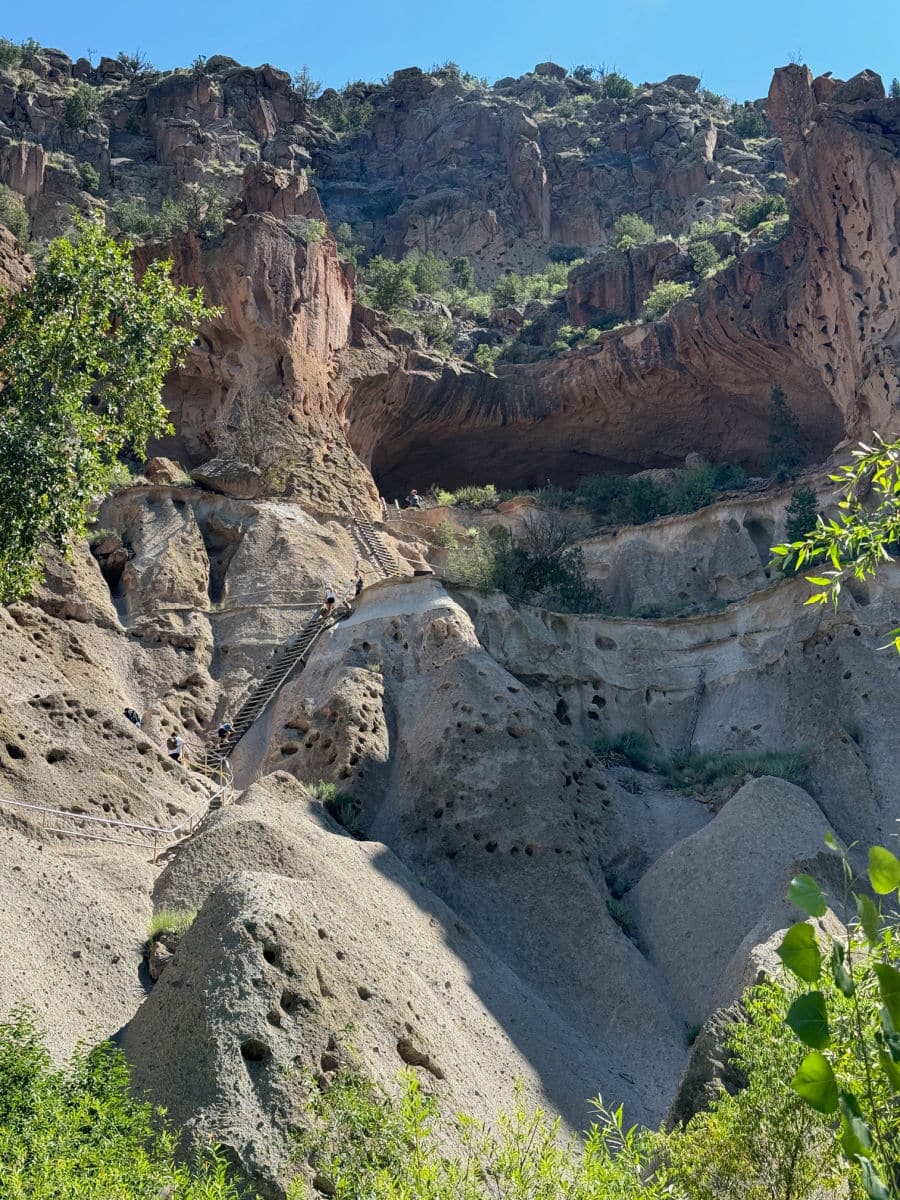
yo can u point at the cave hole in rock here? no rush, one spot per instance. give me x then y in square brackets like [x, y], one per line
[221, 542]
[761, 532]
[253, 1050]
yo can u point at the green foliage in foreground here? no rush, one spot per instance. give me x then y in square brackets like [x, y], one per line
[762, 1143]
[77, 1134]
[84, 350]
[865, 532]
[848, 1018]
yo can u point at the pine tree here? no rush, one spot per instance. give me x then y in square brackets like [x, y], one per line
[785, 450]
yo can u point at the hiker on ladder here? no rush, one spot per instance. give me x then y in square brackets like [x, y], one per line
[330, 601]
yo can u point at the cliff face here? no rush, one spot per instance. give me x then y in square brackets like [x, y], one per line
[814, 314]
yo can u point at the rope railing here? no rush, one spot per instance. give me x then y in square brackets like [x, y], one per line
[145, 836]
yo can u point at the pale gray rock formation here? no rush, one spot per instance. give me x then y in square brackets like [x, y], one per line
[697, 902]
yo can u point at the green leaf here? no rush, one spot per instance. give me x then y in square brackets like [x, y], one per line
[818, 580]
[808, 1018]
[891, 1070]
[831, 842]
[839, 972]
[869, 918]
[799, 952]
[889, 986]
[855, 1137]
[884, 870]
[871, 1180]
[815, 1083]
[806, 894]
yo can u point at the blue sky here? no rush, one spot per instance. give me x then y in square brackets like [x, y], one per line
[732, 46]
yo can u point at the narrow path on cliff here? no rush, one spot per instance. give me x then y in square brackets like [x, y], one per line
[295, 651]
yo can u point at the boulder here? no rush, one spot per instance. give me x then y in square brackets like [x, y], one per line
[550, 70]
[163, 470]
[863, 88]
[230, 478]
[745, 859]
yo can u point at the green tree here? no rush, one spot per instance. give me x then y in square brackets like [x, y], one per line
[801, 514]
[84, 350]
[462, 273]
[347, 247]
[615, 86]
[630, 229]
[509, 289]
[895, 88]
[304, 84]
[749, 216]
[80, 106]
[693, 488]
[704, 257]
[391, 284]
[90, 177]
[666, 293]
[428, 272]
[748, 121]
[785, 450]
[486, 357]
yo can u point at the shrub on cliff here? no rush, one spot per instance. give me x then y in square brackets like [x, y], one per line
[630, 230]
[615, 86]
[663, 296]
[13, 214]
[84, 350]
[89, 177]
[704, 257]
[748, 121]
[565, 253]
[80, 106]
[390, 284]
[749, 216]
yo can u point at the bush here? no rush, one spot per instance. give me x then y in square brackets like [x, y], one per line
[704, 258]
[643, 500]
[135, 64]
[693, 488]
[344, 809]
[437, 330]
[13, 214]
[486, 357]
[428, 273]
[344, 113]
[584, 73]
[593, 144]
[77, 1131]
[664, 295]
[509, 289]
[748, 121]
[313, 230]
[894, 91]
[80, 106]
[565, 254]
[462, 273]
[565, 108]
[785, 452]
[347, 248]
[391, 284]
[749, 216]
[90, 178]
[10, 53]
[630, 230]
[616, 87]
[728, 477]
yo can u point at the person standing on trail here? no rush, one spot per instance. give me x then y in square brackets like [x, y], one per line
[175, 746]
[413, 500]
[357, 583]
[330, 601]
